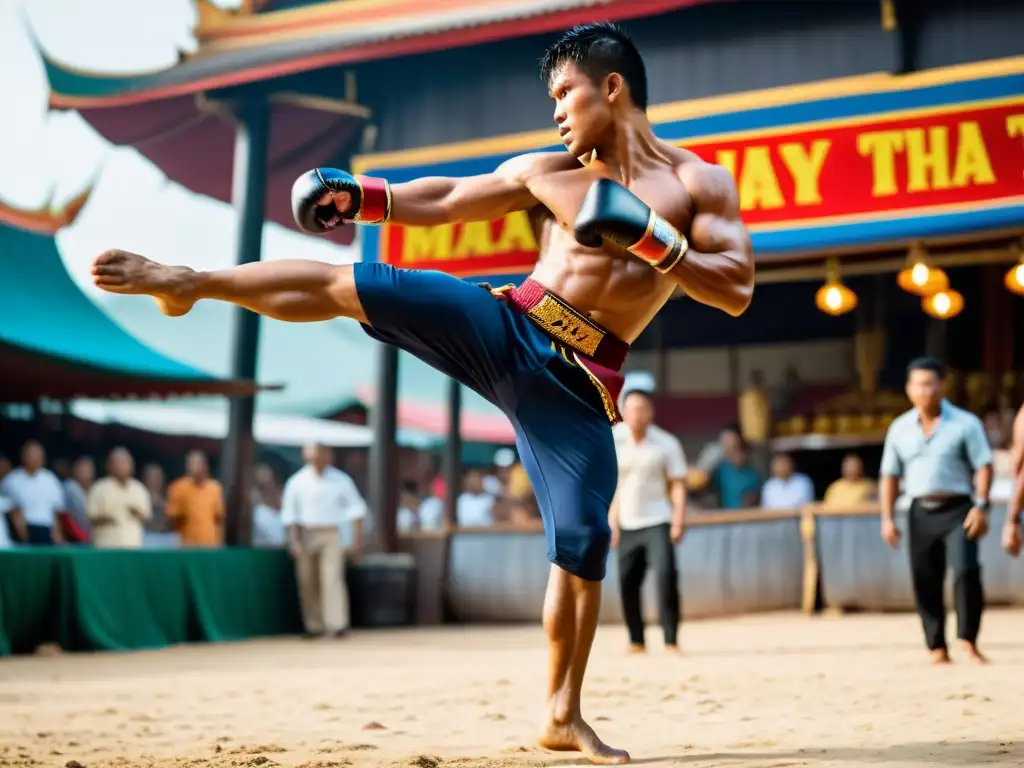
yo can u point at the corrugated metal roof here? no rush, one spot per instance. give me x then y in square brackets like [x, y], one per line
[269, 51]
[432, 18]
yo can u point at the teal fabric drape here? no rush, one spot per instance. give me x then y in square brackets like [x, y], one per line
[128, 600]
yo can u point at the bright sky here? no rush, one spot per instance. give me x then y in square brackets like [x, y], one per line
[48, 156]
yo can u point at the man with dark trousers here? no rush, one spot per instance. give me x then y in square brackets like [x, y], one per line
[647, 515]
[942, 454]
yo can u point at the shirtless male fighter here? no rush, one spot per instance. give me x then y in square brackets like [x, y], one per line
[548, 351]
[1012, 540]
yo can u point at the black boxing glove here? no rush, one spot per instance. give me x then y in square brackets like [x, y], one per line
[611, 212]
[371, 199]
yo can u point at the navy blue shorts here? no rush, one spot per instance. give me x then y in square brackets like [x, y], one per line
[562, 432]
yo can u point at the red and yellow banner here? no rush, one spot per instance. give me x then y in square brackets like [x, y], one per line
[938, 158]
[504, 247]
[840, 171]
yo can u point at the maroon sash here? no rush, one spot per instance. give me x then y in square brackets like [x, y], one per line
[597, 350]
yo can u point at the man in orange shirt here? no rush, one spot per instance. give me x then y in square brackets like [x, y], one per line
[195, 504]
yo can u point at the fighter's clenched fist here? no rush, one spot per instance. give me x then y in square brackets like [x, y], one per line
[323, 198]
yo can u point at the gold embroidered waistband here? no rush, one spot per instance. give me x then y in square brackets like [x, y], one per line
[563, 323]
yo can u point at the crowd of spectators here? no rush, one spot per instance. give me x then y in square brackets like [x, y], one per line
[71, 502]
[67, 504]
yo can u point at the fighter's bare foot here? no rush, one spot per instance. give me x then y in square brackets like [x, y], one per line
[635, 649]
[673, 649]
[939, 656]
[972, 653]
[119, 271]
[577, 736]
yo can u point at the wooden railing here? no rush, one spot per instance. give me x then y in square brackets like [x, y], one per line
[729, 562]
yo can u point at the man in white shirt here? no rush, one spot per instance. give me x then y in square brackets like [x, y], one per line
[119, 506]
[647, 515]
[36, 493]
[431, 514]
[475, 504]
[318, 500]
[786, 488]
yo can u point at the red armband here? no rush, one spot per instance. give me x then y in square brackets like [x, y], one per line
[375, 202]
[662, 245]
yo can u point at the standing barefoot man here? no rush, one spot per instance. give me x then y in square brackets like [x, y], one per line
[611, 214]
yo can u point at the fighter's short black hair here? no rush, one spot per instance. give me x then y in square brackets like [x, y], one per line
[599, 49]
[927, 364]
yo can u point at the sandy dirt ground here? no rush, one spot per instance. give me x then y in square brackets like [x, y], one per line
[773, 691]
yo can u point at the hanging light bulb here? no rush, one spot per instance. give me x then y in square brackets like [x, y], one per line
[919, 278]
[834, 298]
[1014, 280]
[944, 304]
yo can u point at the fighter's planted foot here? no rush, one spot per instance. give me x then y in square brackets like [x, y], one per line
[939, 656]
[172, 288]
[577, 736]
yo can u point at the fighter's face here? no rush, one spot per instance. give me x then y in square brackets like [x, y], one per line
[583, 108]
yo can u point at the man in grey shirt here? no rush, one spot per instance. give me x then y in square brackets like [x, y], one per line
[943, 456]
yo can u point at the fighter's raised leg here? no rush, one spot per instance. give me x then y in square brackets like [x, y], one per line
[297, 291]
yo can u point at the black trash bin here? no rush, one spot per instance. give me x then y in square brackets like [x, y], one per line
[382, 591]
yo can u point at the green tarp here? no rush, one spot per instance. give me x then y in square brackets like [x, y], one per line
[90, 600]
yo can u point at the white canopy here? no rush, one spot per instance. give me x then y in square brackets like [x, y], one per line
[210, 419]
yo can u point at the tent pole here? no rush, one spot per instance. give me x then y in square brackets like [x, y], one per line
[384, 451]
[453, 455]
[249, 182]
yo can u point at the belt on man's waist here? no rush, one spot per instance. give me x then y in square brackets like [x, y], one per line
[931, 503]
[601, 351]
[566, 324]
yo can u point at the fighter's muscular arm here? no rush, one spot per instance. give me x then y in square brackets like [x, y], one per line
[326, 197]
[718, 268]
[441, 200]
[714, 264]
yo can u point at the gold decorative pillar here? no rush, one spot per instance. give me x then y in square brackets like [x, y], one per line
[868, 356]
